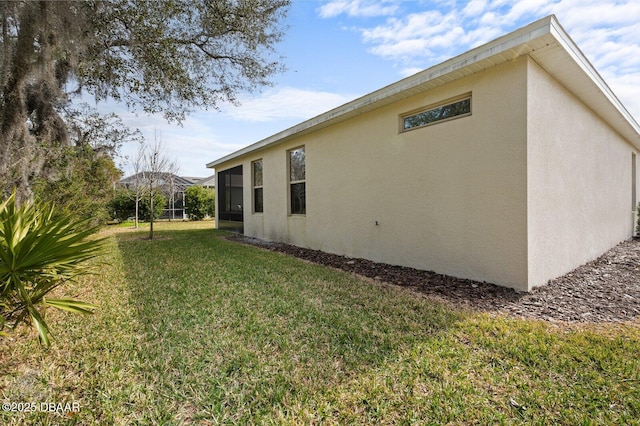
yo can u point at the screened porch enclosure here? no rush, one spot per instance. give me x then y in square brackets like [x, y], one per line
[230, 201]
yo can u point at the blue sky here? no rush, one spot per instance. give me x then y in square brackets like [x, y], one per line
[336, 51]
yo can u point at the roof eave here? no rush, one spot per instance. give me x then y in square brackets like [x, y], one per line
[581, 78]
[534, 39]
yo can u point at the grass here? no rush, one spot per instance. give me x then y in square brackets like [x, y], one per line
[195, 329]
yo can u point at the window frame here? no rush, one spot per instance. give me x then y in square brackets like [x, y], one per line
[434, 106]
[634, 178]
[255, 187]
[292, 182]
[225, 194]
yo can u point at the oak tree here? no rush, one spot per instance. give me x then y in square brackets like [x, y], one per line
[166, 56]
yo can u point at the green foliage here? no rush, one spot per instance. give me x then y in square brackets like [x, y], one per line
[159, 203]
[123, 205]
[254, 337]
[180, 55]
[211, 207]
[199, 202]
[169, 57]
[79, 181]
[40, 251]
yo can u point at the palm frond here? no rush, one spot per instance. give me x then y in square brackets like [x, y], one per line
[71, 305]
[40, 251]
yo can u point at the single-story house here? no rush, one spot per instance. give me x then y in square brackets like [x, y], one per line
[512, 163]
[208, 182]
[173, 188]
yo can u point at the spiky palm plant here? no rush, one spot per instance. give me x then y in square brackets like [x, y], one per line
[38, 253]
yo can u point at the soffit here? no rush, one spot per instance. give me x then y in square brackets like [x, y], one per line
[544, 40]
[567, 64]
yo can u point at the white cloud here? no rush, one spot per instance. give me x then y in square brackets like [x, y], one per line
[416, 25]
[474, 8]
[479, 21]
[626, 88]
[191, 145]
[357, 8]
[406, 72]
[418, 35]
[481, 35]
[413, 36]
[207, 135]
[286, 103]
[619, 56]
[606, 31]
[527, 9]
[583, 15]
[193, 151]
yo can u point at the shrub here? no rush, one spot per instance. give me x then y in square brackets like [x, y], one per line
[122, 205]
[211, 206]
[159, 204]
[80, 181]
[40, 251]
[198, 201]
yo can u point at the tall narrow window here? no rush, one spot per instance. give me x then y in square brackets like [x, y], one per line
[258, 205]
[634, 202]
[297, 178]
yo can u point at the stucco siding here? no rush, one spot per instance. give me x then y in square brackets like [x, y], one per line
[541, 177]
[579, 181]
[450, 197]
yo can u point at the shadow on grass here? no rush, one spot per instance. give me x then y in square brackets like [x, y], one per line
[200, 330]
[241, 334]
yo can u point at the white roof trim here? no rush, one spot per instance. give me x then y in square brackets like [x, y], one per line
[613, 111]
[535, 39]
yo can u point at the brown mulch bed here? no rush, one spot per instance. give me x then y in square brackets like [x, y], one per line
[604, 290]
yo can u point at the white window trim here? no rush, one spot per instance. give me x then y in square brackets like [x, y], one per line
[420, 110]
[292, 182]
[254, 187]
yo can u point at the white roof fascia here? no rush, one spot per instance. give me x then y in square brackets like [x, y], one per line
[618, 117]
[526, 40]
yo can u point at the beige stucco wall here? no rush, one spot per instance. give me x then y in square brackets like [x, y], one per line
[579, 181]
[528, 187]
[450, 197]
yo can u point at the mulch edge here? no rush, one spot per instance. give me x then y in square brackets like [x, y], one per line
[557, 302]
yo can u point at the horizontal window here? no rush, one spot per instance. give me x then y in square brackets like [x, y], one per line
[459, 108]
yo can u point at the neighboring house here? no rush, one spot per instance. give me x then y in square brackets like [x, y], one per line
[512, 163]
[171, 185]
[208, 182]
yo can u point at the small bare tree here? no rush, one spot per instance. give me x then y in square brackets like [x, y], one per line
[157, 166]
[172, 188]
[136, 165]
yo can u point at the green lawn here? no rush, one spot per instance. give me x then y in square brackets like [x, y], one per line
[195, 329]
